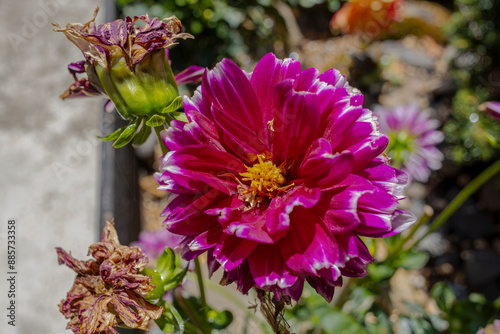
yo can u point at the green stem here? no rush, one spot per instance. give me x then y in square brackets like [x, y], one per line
[471, 188]
[198, 321]
[236, 301]
[340, 297]
[158, 129]
[199, 276]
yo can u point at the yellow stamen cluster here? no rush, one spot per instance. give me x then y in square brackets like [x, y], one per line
[265, 179]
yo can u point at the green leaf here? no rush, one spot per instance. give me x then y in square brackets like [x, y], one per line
[142, 135]
[178, 318]
[126, 136]
[172, 281]
[379, 272]
[113, 135]
[443, 295]
[158, 292]
[341, 323]
[176, 103]
[166, 263]
[155, 120]
[413, 260]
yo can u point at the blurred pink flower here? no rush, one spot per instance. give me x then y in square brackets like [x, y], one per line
[412, 140]
[493, 328]
[153, 243]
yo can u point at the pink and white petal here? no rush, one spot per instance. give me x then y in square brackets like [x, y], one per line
[338, 123]
[187, 217]
[250, 225]
[192, 74]
[324, 288]
[268, 268]
[341, 214]
[237, 135]
[357, 255]
[323, 169]
[280, 208]
[401, 220]
[268, 72]
[364, 152]
[384, 225]
[295, 291]
[387, 178]
[228, 89]
[192, 246]
[307, 249]
[305, 80]
[295, 124]
[231, 252]
[196, 167]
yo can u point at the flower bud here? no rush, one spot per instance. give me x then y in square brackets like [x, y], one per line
[128, 62]
[143, 89]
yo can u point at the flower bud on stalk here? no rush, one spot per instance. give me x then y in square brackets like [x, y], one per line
[129, 64]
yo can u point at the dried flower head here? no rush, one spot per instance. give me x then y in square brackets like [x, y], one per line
[108, 291]
[276, 175]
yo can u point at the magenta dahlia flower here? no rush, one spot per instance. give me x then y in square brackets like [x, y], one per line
[412, 140]
[277, 175]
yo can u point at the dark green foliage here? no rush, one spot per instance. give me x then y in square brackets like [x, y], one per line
[222, 29]
[474, 30]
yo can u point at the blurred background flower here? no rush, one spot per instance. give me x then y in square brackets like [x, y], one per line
[413, 137]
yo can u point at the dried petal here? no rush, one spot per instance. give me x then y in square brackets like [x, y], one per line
[108, 291]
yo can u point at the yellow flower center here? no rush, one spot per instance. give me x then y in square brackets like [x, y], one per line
[266, 179]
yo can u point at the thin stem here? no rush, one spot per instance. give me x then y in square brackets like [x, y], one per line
[194, 316]
[471, 188]
[340, 298]
[158, 129]
[201, 286]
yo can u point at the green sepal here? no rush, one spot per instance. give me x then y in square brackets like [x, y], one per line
[170, 318]
[112, 136]
[176, 104]
[155, 120]
[126, 136]
[174, 280]
[158, 292]
[168, 266]
[166, 263]
[142, 135]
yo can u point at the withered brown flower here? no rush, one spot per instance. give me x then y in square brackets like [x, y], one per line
[108, 291]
